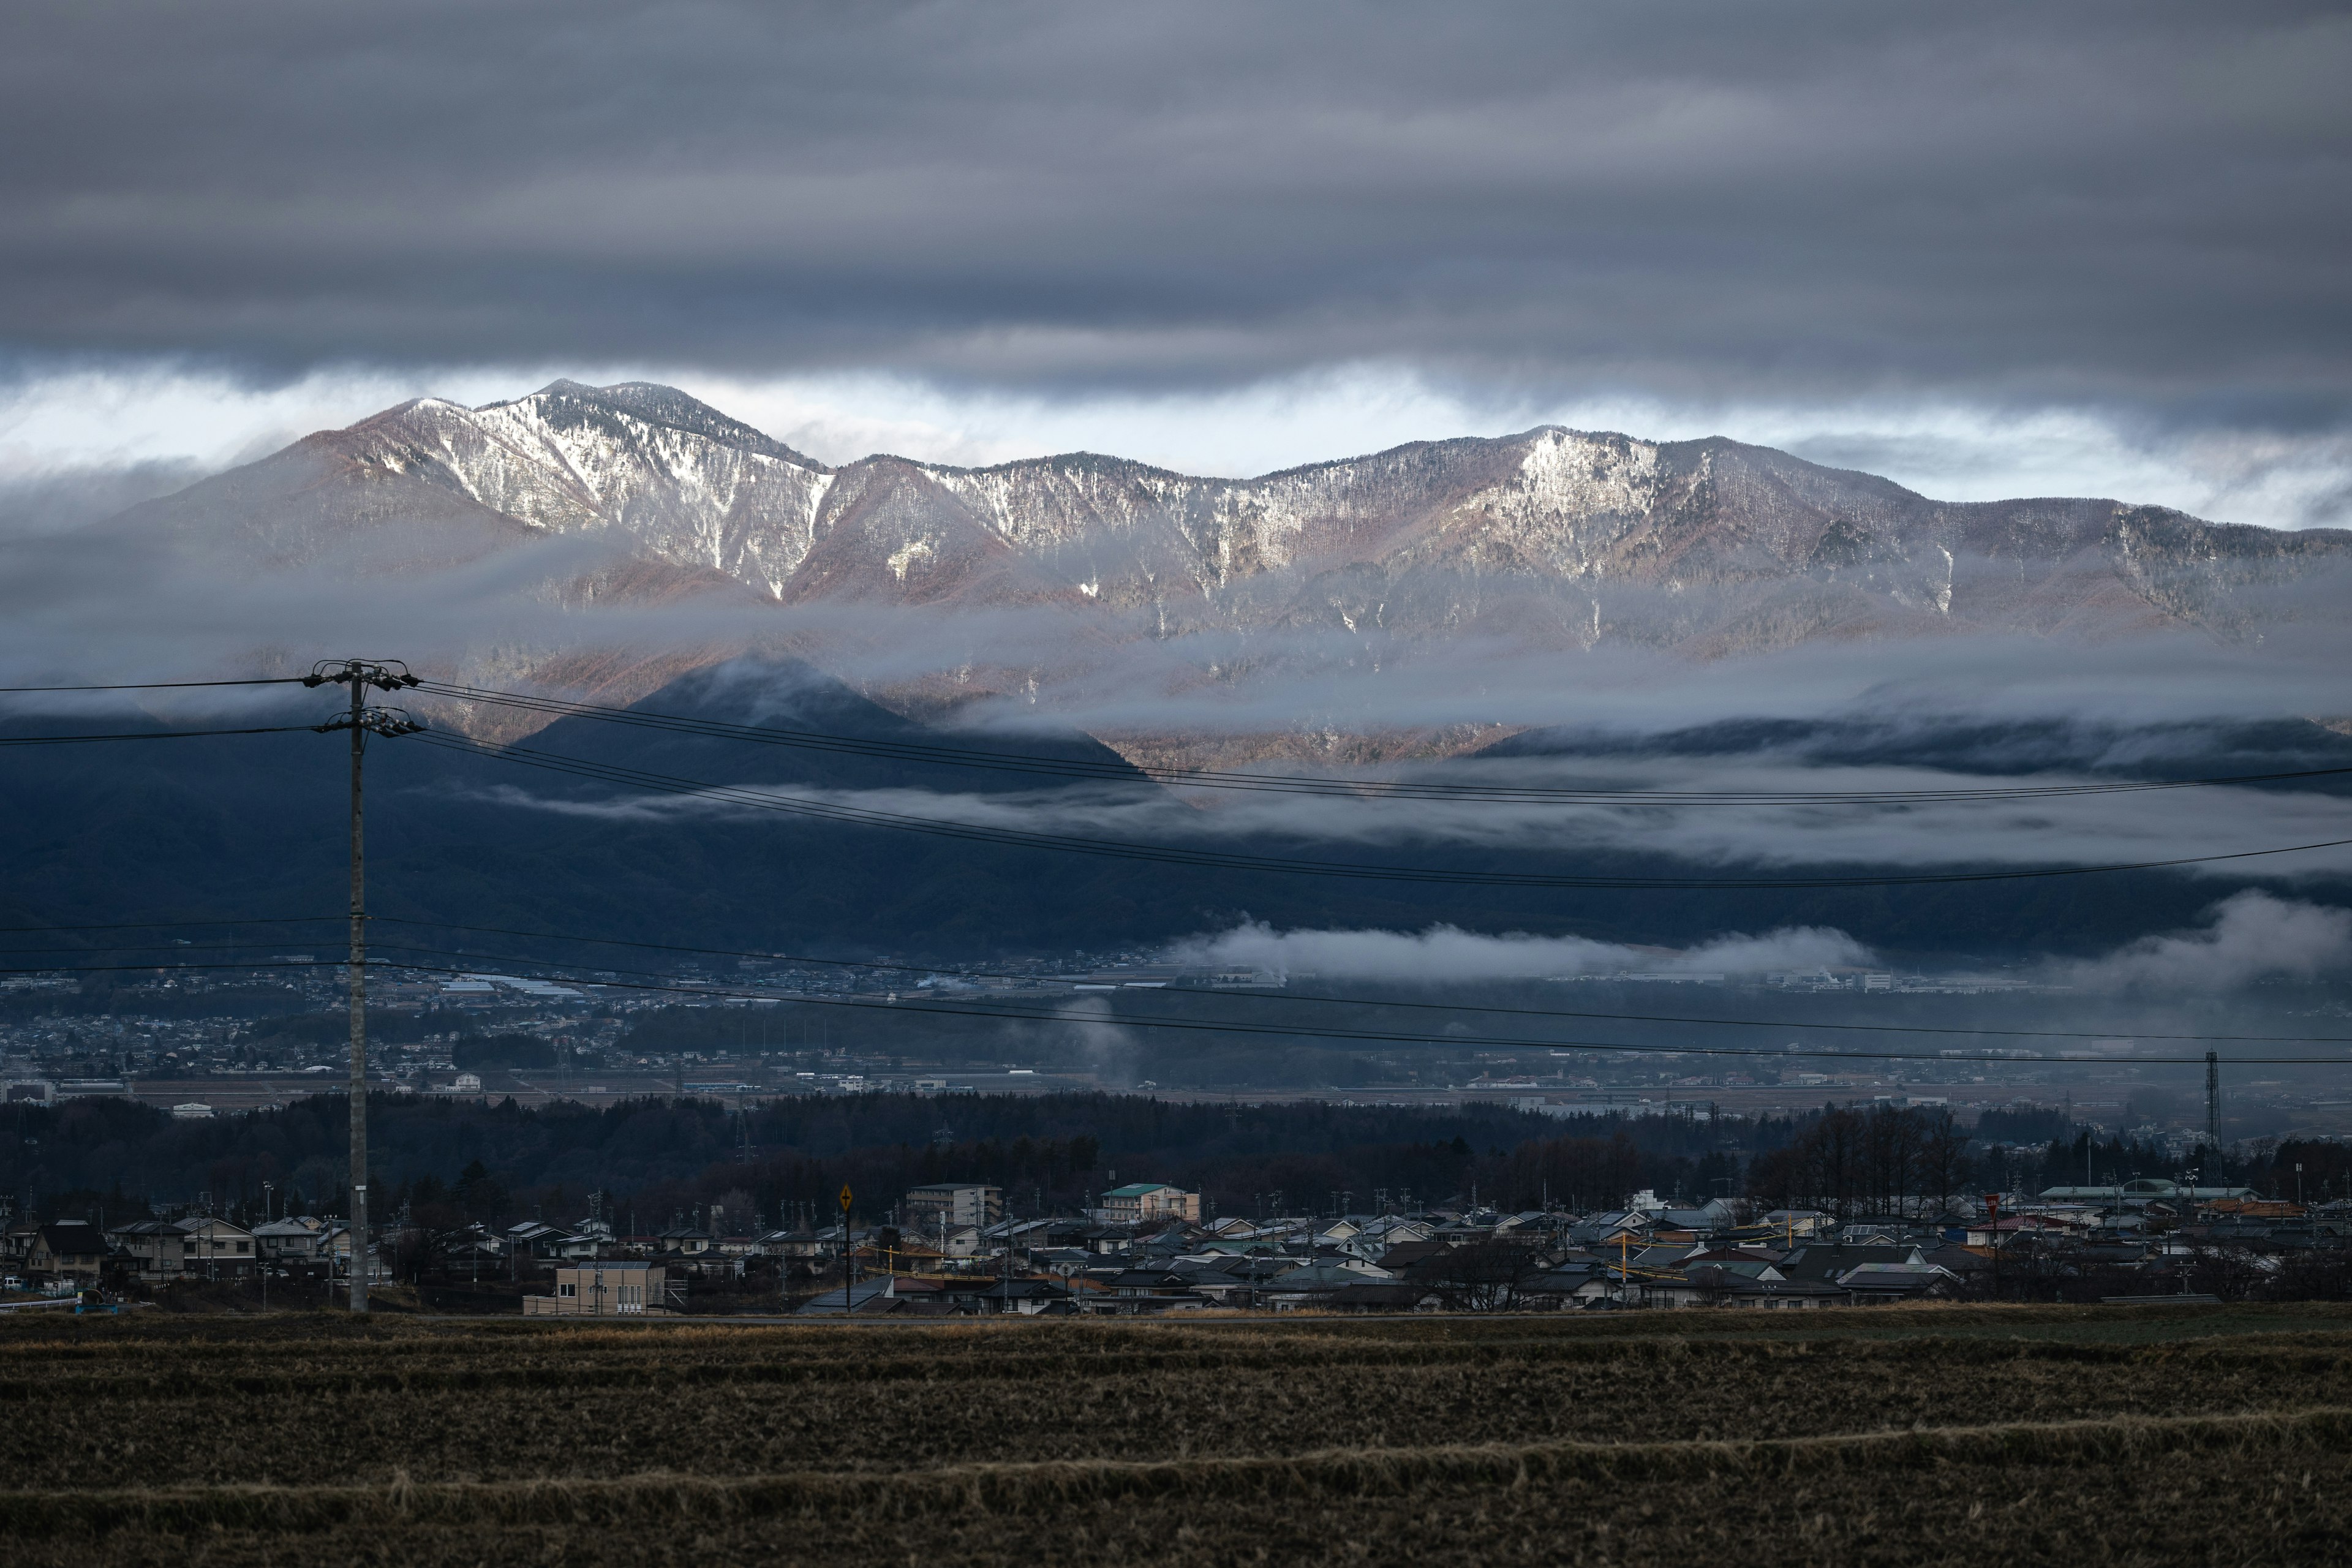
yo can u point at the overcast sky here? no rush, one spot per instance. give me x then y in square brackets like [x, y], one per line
[1984, 249]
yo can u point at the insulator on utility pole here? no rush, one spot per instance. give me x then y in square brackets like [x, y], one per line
[363, 721]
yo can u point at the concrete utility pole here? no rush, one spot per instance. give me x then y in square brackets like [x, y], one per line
[363, 721]
[848, 1259]
[2213, 1101]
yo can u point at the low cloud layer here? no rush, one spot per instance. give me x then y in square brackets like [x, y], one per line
[1444, 952]
[1736, 841]
[2252, 936]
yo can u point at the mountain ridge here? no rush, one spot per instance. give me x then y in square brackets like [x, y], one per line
[1546, 539]
[1586, 474]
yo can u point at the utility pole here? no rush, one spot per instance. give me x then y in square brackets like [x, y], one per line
[848, 1260]
[363, 721]
[2213, 1103]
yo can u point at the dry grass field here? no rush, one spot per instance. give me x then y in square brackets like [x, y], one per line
[1924, 1434]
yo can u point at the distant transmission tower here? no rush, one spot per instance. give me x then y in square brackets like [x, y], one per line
[363, 721]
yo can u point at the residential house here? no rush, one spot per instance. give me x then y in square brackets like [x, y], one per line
[334, 1246]
[2001, 1232]
[1027, 1298]
[610, 1288]
[1222, 1281]
[921, 1296]
[474, 1252]
[866, 1296]
[1411, 1257]
[1384, 1296]
[294, 1239]
[1714, 1214]
[66, 1250]
[1026, 1236]
[1605, 1228]
[909, 1255]
[1791, 1224]
[1572, 1284]
[1107, 1240]
[688, 1241]
[1315, 1283]
[1754, 1282]
[802, 1245]
[1666, 1287]
[1869, 1282]
[1062, 1262]
[17, 1243]
[1962, 1263]
[962, 1241]
[154, 1249]
[1374, 1237]
[544, 1243]
[1153, 1290]
[219, 1248]
[1831, 1265]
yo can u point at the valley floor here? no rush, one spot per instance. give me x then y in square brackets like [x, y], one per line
[1863, 1436]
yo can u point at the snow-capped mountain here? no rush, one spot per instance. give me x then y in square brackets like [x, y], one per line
[1551, 536]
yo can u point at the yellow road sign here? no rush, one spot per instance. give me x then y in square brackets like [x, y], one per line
[844, 1197]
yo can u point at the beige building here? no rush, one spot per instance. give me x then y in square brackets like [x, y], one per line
[1144, 1201]
[612, 1288]
[947, 1204]
[215, 1247]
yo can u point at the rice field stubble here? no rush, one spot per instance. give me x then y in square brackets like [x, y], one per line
[1882, 1435]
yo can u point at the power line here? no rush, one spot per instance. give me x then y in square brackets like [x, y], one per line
[167, 946]
[1211, 778]
[741, 796]
[152, 735]
[160, 685]
[190, 925]
[160, 968]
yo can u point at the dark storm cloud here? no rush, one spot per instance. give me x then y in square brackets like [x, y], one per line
[2137, 205]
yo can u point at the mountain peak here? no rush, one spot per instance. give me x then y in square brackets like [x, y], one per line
[656, 405]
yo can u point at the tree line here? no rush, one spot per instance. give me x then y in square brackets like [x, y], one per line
[1049, 1153]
